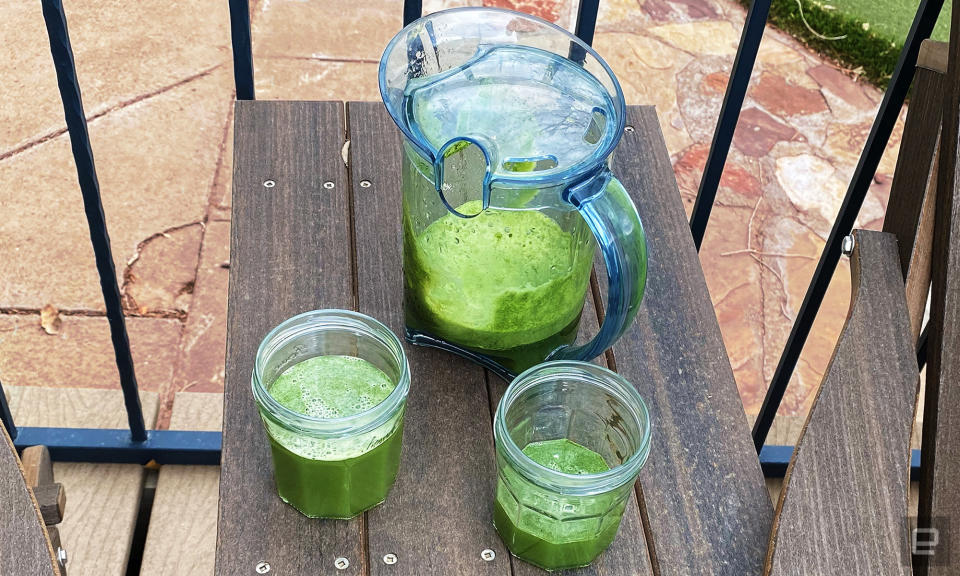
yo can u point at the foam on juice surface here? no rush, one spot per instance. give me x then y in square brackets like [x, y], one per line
[331, 387]
[566, 456]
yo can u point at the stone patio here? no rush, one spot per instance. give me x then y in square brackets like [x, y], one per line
[158, 90]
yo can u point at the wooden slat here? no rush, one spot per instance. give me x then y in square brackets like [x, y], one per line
[182, 536]
[910, 210]
[939, 489]
[439, 515]
[843, 509]
[708, 508]
[24, 548]
[104, 498]
[37, 465]
[290, 252]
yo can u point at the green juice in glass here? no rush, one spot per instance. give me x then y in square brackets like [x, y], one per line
[334, 477]
[548, 530]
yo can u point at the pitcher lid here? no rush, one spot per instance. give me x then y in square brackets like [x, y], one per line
[541, 105]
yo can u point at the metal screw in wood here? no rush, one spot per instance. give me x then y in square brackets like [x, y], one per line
[364, 183]
[341, 563]
[389, 558]
[269, 183]
[61, 556]
[328, 185]
[628, 129]
[848, 244]
[262, 567]
[488, 555]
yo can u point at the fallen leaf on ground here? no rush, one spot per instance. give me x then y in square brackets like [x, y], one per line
[50, 319]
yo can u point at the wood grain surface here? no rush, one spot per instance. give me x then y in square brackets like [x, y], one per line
[703, 491]
[37, 465]
[104, 498]
[439, 516]
[910, 209]
[24, 548]
[843, 508]
[290, 253]
[182, 537]
[939, 489]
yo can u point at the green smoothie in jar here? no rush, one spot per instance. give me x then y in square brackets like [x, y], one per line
[334, 421]
[335, 478]
[541, 540]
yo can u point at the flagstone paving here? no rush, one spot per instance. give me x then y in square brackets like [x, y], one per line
[157, 86]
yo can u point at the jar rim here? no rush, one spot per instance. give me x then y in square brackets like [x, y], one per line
[323, 320]
[562, 482]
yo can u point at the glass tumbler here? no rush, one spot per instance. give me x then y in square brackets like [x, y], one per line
[332, 467]
[556, 519]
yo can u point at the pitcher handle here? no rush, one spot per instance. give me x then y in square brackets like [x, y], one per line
[607, 208]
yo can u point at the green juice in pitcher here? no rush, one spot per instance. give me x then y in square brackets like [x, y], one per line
[507, 283]
[334, 478]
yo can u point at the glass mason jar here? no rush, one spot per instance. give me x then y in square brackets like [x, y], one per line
[547, 517]
[332, 467]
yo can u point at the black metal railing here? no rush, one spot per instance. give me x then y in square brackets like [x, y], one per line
[135, 444]
[140, 445]
[887, 115]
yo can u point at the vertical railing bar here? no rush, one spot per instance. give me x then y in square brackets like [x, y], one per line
[412, 10]
[922, 347]
[5, 416]
[729, 114]
[587, 20]
[242, 48]
[62, 52]
[883, 124]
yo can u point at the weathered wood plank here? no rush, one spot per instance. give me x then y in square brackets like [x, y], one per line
[439, 515]
[104, 498]
[843, 508]
[910, 210]
[708, 509]
[290, 252]
[939, 489]
[37, 465]
[182, 537]
[24, 548]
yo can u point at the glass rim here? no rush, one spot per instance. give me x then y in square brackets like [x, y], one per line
[586, 167]
[562, 482]
[324, 320]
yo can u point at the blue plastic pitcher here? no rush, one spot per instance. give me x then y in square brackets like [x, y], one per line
[509, 124]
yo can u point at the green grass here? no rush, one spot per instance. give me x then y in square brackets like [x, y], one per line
[875, 30]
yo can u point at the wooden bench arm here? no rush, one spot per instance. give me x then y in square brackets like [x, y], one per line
[843, 507]
[24, 546]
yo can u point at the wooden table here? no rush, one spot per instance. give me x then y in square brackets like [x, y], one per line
[316, 224]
